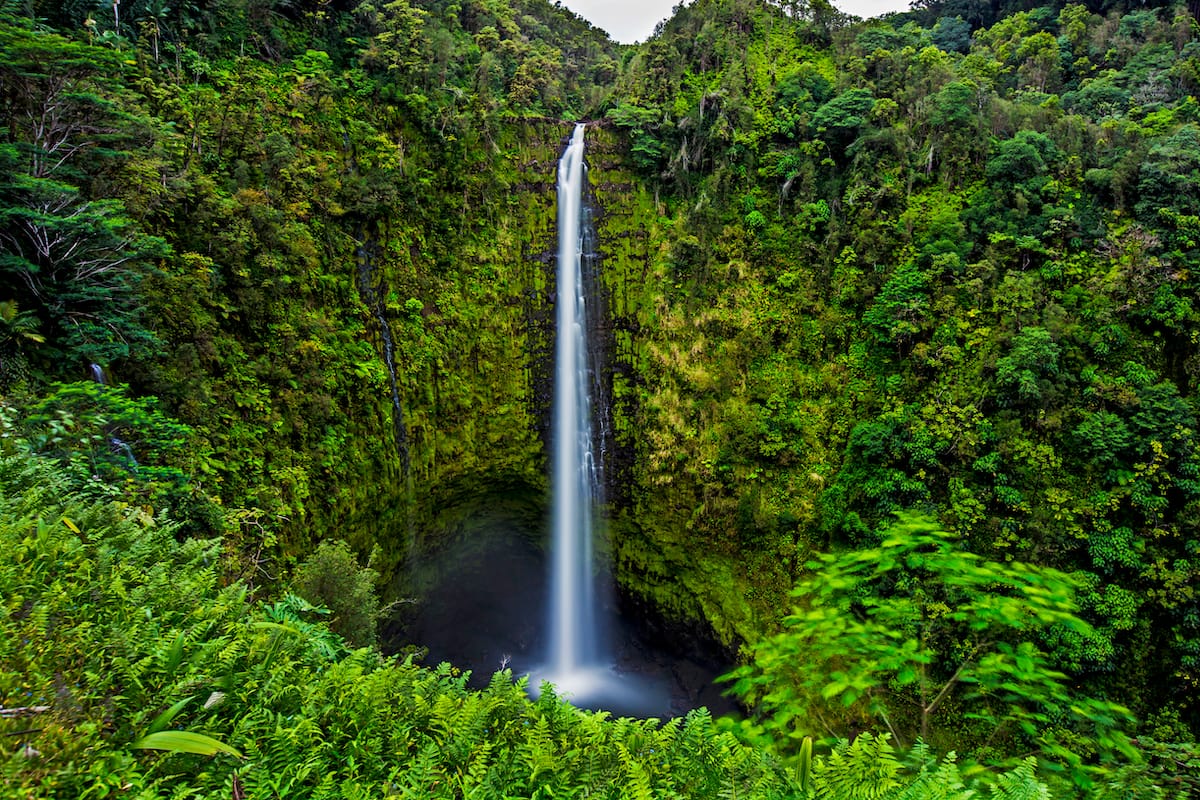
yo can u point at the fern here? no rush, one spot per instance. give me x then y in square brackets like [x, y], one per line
[473, 781]
[866, 769]
[537, 751]
[1020, 784]
[636, 780]
[936, 781]
[288, 613]
[317, 724]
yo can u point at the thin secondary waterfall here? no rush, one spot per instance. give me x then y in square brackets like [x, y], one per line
[365, 255]
[574, 630]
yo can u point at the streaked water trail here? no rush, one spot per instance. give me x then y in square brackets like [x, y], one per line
[574, 631]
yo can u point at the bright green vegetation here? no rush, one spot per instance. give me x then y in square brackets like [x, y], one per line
[940, 266]
[892, 633]
[120, 639]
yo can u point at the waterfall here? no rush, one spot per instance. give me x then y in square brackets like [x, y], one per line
[121, 446]
[364, 254]
[579, 662]
[574, 480]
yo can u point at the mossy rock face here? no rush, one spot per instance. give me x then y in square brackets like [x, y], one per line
[663, 552]
[463, 514]
[474, 348]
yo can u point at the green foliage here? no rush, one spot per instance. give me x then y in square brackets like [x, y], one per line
[645, 149]
[838, 120]
[183, 742]
[895, 318]
[1167, 771]
[849, 268]
[132, 620]
[1008, 227]
[129, 620]
[18, 332]
[1028, 371]
[99, 426]
[117, 447]
[1021, 159]
[896, 632]
[952, 34]
[331, 577]
[76, 264]
[75, 261]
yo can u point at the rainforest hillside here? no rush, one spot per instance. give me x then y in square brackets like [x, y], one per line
[902, 344]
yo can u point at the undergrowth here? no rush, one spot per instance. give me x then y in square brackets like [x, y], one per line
[116, 634]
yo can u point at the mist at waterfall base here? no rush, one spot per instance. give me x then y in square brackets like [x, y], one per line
[483, 609]
[585, 650]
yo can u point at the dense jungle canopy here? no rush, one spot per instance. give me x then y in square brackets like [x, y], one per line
[903, 349]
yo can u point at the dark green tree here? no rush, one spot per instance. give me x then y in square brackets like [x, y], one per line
[840, 120]
[1028, 372]
[77, 264]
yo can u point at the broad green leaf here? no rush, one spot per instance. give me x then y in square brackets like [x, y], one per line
[184, 742]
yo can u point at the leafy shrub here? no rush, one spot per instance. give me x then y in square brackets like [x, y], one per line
[331, 577]
[147, 680]
[888, 635]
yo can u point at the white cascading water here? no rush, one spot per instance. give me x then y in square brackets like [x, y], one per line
[578, 662]
[573, 625]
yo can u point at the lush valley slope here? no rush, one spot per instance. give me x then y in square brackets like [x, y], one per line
[851, 269]
[914, 272]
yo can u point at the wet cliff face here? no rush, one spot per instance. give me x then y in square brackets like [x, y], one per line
[474, 352]
[472, 319]
[475, 349]
[671, 547]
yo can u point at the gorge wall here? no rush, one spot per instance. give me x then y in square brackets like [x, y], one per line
[477, 412]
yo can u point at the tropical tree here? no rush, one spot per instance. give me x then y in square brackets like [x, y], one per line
[78, 263]
[75, 259]
[894, 635]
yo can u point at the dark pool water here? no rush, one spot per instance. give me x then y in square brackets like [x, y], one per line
[484, 610]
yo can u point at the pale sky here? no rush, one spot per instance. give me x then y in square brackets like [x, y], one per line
[629, 21]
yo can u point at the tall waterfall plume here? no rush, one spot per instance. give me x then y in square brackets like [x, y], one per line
[574, 629]
[579, 662]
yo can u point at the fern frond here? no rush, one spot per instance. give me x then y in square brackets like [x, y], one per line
[1020, 784]
[867, 769]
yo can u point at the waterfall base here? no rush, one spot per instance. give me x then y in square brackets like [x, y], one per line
[479, 607]
[605, 688]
